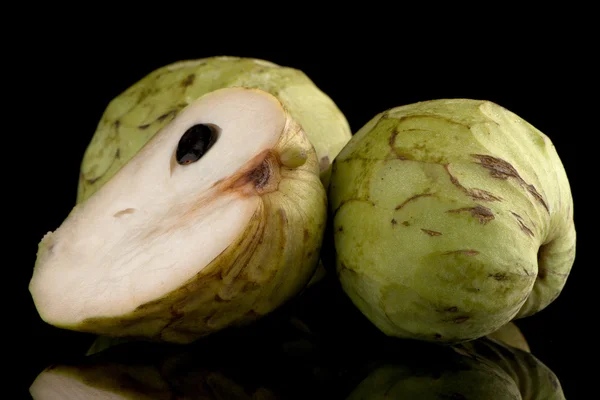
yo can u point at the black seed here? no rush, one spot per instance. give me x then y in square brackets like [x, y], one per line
[194, 143]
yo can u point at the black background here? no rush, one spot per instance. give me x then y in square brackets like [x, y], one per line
[545, 79]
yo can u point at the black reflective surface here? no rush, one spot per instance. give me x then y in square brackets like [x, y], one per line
[317, 346]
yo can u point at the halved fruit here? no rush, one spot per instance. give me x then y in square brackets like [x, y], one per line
[216, 221]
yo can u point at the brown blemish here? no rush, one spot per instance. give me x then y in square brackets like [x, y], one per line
[499, 276]
[431, 233]
[501, 169]
[306, 235]
[219, 299]
[476, 194]
[451, 309]
[460, 320]
[166, 115]
[340, 228]
[260, 175]
[541, 273]
[324, 163]
[466, 252]
[416, 196]
[189, 80]
[437, 336]
[522, 225]
[483, 214]
[394, 222]
[405, 223]
[94, 180]
[392, 141]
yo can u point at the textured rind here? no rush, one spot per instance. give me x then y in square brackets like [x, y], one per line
[439, 210]
[134, 116]
[271, 261]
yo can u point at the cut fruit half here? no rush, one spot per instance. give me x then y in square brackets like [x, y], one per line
[216, 221]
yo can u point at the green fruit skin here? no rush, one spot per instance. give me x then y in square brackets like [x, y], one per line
[134, 116]
[451, 218]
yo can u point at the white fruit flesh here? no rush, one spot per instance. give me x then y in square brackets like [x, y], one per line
[156, 223]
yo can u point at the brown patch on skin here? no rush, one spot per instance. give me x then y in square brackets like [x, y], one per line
[188, 81]
[94, 180]
[324, 163]
[394, 222]
[501, 169]
[467, 252]
[541, 273]
[522, 225]
[476, 194]
[391, 143]
[482, 213]
[499, 276]
[416, 196]
[219, 299]
[431, 233]
[340, 228]
[306, 235]
[405, 223]
[117, 123]
[166, 115]
[259, 176]
[451, 309]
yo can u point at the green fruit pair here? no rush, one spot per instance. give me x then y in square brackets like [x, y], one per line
[203, 202]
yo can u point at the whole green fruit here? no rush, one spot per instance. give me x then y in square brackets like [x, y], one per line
[451, 218]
